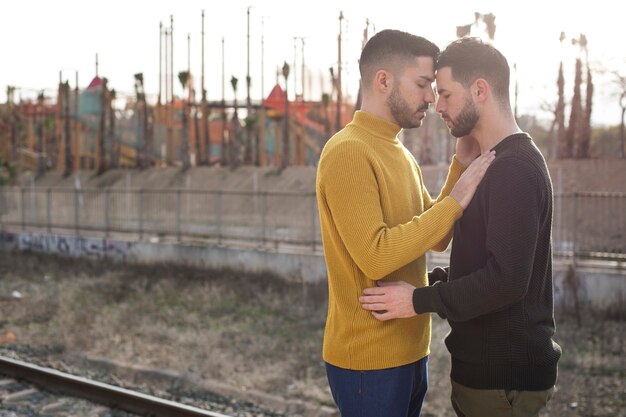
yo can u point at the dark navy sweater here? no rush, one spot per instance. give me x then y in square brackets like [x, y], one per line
[497, 295]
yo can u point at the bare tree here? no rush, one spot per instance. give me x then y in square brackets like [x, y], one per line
[183, 77]
[41, 159]
[234, 137]
[196, 127]
[141, 113]
[325, 103]
[206, 137]
[13, 120]
[561, 138]
[67, 137]
[620, 82]
[247, 154]
[582, 145]
[576, 115]
[585, 137]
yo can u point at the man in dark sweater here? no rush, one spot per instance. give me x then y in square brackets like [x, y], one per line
[497, 294]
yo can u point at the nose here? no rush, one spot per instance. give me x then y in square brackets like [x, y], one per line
[429, 97]
[440, 107]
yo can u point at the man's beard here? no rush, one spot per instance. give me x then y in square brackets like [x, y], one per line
[465, 121]
[405, 116]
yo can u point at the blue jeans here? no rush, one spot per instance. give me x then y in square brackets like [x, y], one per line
[392, 392]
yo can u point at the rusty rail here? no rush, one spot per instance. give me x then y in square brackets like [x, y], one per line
[109, 395]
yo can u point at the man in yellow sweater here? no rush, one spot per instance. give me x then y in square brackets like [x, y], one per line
[378, 221]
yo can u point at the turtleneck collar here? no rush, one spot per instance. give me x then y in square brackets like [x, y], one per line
[378, 127]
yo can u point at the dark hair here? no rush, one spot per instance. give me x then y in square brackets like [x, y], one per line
[389, 46]
[471, 58]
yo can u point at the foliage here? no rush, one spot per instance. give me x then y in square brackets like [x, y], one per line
[183, 77]
[233, 83]
[576, 114]
[563, 150]
[7, 172]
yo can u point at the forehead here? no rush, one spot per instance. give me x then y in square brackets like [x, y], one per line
[422, 67]
[444, 75]
[445, 81]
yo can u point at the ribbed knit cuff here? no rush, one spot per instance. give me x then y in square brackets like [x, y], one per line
[457, 165]
[426, 300]
[453, 206]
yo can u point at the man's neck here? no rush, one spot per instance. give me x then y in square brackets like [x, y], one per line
[491, 131]
[377, 109]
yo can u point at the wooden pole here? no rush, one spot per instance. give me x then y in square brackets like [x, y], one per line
[339, 96]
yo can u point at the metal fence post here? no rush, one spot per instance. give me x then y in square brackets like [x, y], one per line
[106, 213]
[218, 215]
[575, 227]
[140, 212]
[49, 209]
[263, 218]
[76, 212]
[178, 231]
[23, 206]
[313, 215]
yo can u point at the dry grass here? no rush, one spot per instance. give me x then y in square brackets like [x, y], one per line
[251, 331]
[255, 331]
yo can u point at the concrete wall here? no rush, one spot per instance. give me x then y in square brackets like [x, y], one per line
[295, 267]
[601, 285]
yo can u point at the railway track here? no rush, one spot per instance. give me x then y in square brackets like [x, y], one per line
[29, 389]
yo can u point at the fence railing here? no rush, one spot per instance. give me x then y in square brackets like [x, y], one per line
[590, 224]
[584, 224]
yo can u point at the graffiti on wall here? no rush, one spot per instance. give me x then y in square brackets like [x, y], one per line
[66, 245]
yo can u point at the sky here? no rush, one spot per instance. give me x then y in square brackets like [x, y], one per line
[39, 39]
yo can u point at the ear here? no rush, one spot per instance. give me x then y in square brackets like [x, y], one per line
[383, 81]
[480, 90]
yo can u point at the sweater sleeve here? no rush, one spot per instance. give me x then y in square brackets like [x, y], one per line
[512, 227]
[348, 185]
[454, 173]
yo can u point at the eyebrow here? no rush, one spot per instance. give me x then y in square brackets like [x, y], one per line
[427, 78]
[441, 90]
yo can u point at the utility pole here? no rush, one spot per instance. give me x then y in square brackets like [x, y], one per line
[160, 60]
[172, 57]
[189, 53]
[339, 98]
[206, 140]
[303, 68]
[169, 94]
[286, 151]
[248, 59]
[166, 77]
[202, 55]
[225, 154]
[295, 70]
[263, 58]
[247, 155]
[191, 90]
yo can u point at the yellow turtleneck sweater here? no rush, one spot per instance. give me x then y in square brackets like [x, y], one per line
[377, 222]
